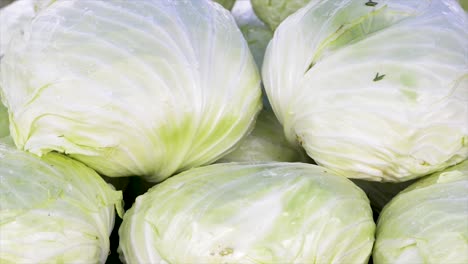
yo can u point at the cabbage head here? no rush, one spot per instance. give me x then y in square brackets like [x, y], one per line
[273, 12]
[143, 87]
[241, 213]
[53, 209]
[427, 222]
[266, 142]
[375, 90]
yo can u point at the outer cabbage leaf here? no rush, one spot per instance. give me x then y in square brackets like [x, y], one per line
[228, 4]
[377, 92]
[257, 34]
[273, 12]
[266, 142]
[131, 87]
[4, 124]
[13, 18]
[16, 16]
[241, 213]
[427, 222]
[53, 210]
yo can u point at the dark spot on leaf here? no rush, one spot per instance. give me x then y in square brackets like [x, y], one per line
[378, 77]
[226, 251]
[424, 163]
[310, 66]
[371, 3]
[299, 140]
[339, 28]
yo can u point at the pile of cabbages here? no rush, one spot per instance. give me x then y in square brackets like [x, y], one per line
[256, 131]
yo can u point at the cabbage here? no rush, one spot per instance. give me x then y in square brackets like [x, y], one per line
[273, 12]
[375, 92]
[427, 222]
[228, 4]
[53, 210]
[13, 17]
[143, 88]
[240, 213]
[255, 32]
[4, 130]
[266, 142]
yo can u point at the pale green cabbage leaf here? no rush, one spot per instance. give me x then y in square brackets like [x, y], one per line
[4, 123]
[53, 209]
[143, 88]
[228, 4]
[245, 213]
[266, 142]
[373, 91]
[255, 32]
[273, 12]
[16, 17]
[427, 222]
[13, 18]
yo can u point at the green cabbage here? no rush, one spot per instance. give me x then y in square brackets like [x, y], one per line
[257, 34]
[143, 88]
[373, 91]
[53, 210]
[427, 222]
[266, 142]
[273, 12]
[241, 213]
